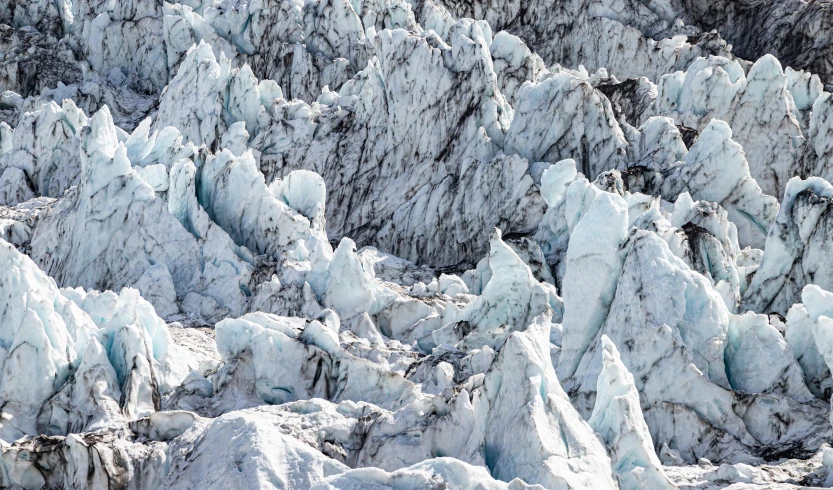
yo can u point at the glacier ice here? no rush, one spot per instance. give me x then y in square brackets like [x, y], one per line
[44, 147]
[415, 244]
[140, 235]
[798, 233]
[95, 359]
[617, 416]
[757, 105]
[597, 255]
[512, 299]
[748, 207]
[686, 328]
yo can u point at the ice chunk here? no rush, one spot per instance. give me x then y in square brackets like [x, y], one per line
[799, 333]
[758, 359]
[244, 450]
[234, 194]
[805, 87]
[262, 361]
[796, 249]
[716, 170]
[443, 471]
[303, 191]
[350, 284]
[41, 338]
[593, 252]
[617, 416]
[112, 228]
[757, 106]
[678, 323]
[14, 187]
[44, 146]
[590, 119]
[510, 301]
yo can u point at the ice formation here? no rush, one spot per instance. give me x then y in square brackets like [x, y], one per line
[618, 418]
[415, 244]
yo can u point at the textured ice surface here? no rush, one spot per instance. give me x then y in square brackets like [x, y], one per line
[757, 106]
[618, 418]
[430, 244]
[111, 229]
[93, 359]
[731, 186]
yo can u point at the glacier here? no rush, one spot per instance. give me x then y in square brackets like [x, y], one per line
[408, 244]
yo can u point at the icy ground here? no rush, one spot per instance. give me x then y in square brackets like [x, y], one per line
[416, 244]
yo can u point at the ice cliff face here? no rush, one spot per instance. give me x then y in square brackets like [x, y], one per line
[407, 245]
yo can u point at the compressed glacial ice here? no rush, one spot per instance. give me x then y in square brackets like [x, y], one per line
[404, 245]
